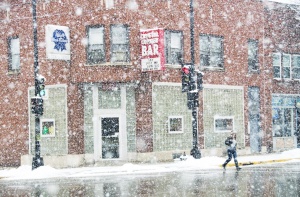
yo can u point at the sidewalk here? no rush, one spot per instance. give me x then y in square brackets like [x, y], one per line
[187, 164]
[267, 158]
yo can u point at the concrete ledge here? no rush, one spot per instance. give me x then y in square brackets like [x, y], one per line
[61, 161]
[152, 157]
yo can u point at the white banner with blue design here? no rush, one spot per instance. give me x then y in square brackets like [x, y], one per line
[58, 42]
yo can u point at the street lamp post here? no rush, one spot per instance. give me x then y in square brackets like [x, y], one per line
[195, 152]
[189, 85]
[37, 161]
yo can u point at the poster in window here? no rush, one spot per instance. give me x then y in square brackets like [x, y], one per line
[47, 128]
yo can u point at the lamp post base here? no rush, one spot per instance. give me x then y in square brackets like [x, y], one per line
[37, 162]
[195, 152]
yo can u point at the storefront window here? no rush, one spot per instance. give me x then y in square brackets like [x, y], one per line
[282, 122]
[284, 119]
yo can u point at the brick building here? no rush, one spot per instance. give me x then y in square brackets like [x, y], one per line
[100, 106]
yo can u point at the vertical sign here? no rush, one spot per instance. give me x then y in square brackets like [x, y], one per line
[58, 42]
[152, 49]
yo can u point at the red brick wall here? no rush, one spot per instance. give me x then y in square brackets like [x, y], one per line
[230, 19]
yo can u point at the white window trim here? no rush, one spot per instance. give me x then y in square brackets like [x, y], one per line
[101, 42]
[109, 4]
[169, 126]
[41, 127]
[295, 55]
[280, 74]
[290, 65]
[125, 42]
[223, 117]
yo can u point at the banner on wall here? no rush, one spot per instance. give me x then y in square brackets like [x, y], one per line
[152, 49]
[58, 42]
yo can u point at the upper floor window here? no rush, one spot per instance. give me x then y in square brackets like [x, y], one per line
[252, 55]
[95, 46]
[276, 65]
[211, 51]
[173, 46]
[296, 67]
[13, 54]
[286, 66]
[109, 4]
[120, 43]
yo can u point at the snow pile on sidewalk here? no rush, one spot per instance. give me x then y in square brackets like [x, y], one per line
[189, 163]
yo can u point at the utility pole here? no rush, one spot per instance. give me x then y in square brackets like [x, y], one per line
[195, 152]
[189, 79]
[37, 101]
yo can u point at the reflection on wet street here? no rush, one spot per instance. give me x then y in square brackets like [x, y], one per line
[268, 180]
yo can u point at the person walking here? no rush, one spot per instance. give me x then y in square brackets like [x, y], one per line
[231, 151]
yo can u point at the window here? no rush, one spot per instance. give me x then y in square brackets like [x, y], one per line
[95, 47]
[174, 46]
[47, 128]
[211, 51]
[14, 54]
[282, 122]
[175, 124]
[286, 66]
[284, 114]
[252, 55]
[296, 66]
[119, 43]
[276, 65]
[223, 124]
[109, 4]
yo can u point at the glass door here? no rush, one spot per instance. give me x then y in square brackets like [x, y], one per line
[110, 137]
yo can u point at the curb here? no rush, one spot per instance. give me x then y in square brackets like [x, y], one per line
[258, 162]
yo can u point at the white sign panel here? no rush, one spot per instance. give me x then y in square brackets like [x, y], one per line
[58, 42]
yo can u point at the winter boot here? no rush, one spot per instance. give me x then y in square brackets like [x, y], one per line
[237, 166]
[224, 166]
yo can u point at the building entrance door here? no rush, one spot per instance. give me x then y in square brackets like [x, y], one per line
[110, 130]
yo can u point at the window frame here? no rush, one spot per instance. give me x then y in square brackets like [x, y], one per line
[11, 54]
[168, 47]
[295, 67]
[47, 121]
[169, 124]
[126, 45]
[209, 52]
[279, 65]
[109, 4]
[216, 130]
[286, 130]
[253, 43]
[88, 58]
[289, 67]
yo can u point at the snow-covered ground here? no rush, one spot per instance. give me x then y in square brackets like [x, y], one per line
[189, 163]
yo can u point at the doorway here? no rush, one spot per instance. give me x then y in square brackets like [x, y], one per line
[110, 132]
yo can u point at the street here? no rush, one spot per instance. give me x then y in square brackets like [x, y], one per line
[279, 179]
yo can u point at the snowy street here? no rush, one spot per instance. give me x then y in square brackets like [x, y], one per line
[261, 175]
[276, 179]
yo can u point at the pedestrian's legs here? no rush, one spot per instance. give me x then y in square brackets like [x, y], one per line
[229, 158]
[235, 160]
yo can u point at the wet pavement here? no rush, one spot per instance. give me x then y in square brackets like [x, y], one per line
[278, 179]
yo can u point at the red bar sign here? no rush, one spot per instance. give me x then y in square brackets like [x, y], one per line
[152, 49]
